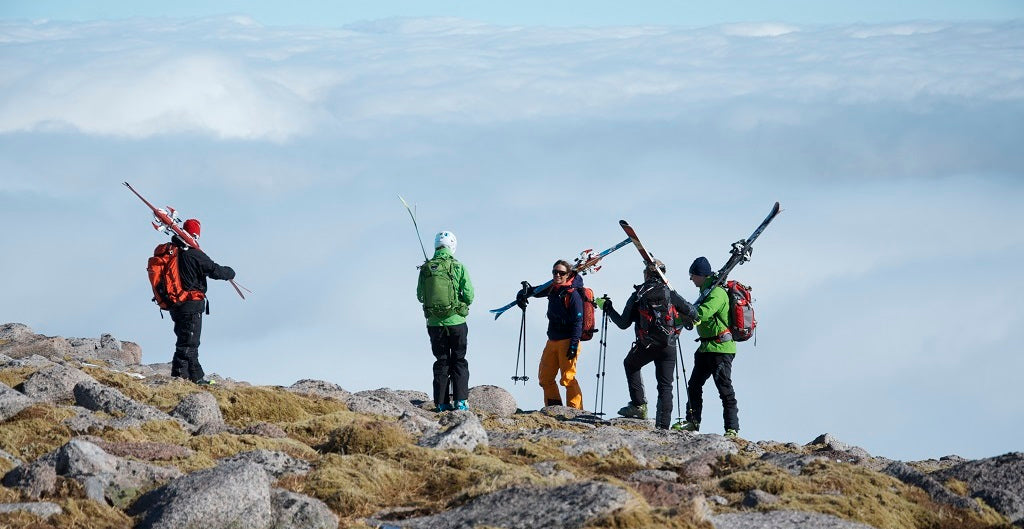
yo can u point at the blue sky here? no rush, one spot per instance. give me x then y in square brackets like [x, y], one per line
[532, 12]
[886, 290]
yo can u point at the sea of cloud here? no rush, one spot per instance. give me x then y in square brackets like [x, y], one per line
[885, 289]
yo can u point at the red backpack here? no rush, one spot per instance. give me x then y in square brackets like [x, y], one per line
[165, 278]
[741, 311]
[589, 327]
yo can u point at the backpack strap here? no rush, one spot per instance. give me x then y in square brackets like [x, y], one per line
[724, 336]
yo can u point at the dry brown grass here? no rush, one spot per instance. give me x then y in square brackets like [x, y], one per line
[244, 406]
[35, 431]
[17, 375]
[226, 444]
[369, 437]
[363, 465]
[850, 492]
[78, 514]
[316, 430]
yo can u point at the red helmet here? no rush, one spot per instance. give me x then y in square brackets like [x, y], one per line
[191, 227]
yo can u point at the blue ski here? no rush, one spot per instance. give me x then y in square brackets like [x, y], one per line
[584, 264]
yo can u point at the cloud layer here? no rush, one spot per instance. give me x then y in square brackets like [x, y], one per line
[894, 150]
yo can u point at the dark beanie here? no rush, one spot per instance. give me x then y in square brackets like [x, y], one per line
[701, 267]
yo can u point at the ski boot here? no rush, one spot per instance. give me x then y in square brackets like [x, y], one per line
[634, 412]
[462, 405]
[686, 426]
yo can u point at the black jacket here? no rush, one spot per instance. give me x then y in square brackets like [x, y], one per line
[565, 310]
[195, 266]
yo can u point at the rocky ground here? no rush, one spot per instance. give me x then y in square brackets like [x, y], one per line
[91, 438]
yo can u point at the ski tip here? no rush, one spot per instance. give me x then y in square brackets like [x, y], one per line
[623, 223]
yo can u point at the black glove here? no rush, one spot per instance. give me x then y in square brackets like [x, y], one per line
[523, 297]
[573, 349]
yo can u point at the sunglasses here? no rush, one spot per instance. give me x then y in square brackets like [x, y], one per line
[559, 272]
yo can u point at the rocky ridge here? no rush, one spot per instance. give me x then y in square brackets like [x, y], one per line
[90, 437]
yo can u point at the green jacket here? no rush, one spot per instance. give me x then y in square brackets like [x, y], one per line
[463, 286]
[712, 319]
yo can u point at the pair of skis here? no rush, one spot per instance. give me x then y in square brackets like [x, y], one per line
[739, 253]
[168, 222]
[586, 263]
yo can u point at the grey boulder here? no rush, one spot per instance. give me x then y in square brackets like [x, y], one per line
[232, 494]
[460, 430]
[55, 383]
[998, 481]
[97, 397]
[492, 400]
[276, 464]
[565, 507]
[783, 520]
[43, 509]
[320, 388]
[12, 402]
[199, 409]
[297, 511]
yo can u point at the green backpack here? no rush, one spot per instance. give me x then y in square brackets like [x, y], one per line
[440, 296]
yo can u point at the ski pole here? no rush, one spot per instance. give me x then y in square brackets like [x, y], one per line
[602, 361]
[679, 350]
[414, 225]
[521, 346]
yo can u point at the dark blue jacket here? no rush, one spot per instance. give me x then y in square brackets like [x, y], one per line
[565, 311]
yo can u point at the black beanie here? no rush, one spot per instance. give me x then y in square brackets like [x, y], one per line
[701, 267]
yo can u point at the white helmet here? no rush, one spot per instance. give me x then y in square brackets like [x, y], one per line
[445, 239]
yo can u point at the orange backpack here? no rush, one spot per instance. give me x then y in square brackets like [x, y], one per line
[589, 328]
[166, 279]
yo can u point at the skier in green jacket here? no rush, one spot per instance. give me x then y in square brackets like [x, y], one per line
[715, 354]
[446, 292]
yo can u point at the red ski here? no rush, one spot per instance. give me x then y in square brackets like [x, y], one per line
[167, 221]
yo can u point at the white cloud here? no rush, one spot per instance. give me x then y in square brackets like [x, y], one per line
[232, 78]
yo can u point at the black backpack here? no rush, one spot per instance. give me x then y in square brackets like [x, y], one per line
[657, 315]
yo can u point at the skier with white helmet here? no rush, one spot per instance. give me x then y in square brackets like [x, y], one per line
[446, 292]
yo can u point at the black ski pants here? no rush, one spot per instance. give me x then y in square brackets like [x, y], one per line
[448, 343]
[188, 326]
[664, 358]
[719, 367]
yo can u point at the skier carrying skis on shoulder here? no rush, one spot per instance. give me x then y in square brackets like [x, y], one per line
[715, 354]
[194, 267]
[565, 327]
[655, 311]
[446, 292]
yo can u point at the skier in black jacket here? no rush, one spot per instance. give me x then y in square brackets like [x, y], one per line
[655, 311]
[194, 267]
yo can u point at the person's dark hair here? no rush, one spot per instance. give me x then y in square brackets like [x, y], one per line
[567, 266]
